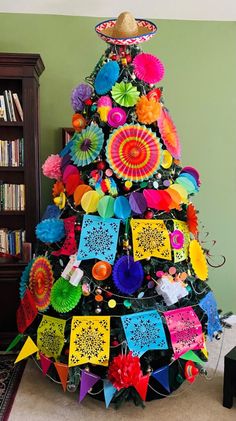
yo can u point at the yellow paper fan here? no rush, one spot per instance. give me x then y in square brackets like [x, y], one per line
[198, 260]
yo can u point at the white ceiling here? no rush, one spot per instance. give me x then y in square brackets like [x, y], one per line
[222, 10]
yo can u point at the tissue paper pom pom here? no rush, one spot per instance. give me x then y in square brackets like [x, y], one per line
[50, 230]
[147, 110]
[106, 77]
[58, 188]
[124, 371]
[52, 167]
[148, 68]
[79, 96]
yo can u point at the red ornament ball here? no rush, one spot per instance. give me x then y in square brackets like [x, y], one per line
[148, 214]
[128, 58]
[88, 102]
[101, 165]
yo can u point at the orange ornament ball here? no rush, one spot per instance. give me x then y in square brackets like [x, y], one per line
[78, 122]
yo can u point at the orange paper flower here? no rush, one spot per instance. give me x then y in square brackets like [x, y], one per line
[198, 260]
[147, 110]
[58, 188]
[192, 219]
[78, 122]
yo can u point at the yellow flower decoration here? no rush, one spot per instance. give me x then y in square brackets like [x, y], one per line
[147, 110]
[198, 260]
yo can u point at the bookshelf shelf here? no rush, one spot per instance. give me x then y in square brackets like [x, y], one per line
[19, 74]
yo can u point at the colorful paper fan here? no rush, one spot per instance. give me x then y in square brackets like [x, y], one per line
[106, 77]
[192, 219]
[87, 145]
[198, 260]
[148, 68]
[125, 94]
[169, 134]
[24, 280]
[127, 275]
[40, 282]
[64, 296]
[133, 152]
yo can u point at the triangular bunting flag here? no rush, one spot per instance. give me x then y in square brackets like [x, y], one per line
[28, 349]
[162, 376]
[109, 391]
[14, 342]
[45, 363]
[142, 386]
[87, 381]
[190, 355]
[62, 370]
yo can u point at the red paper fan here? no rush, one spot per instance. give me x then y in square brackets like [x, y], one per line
[192, 219]
[41, 281]
[133, 152]
[169, 134]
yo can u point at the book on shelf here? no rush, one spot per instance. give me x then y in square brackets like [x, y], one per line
[12, 153]
[18, 105]
[11, 105]
[12, 197]
[7, 104]
[12, 241]
[3, 114]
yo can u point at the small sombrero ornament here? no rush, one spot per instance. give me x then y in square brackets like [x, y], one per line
[125, 30]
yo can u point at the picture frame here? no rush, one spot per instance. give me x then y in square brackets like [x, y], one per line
[67, 134]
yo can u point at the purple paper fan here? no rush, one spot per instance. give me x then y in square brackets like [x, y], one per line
[127, 275]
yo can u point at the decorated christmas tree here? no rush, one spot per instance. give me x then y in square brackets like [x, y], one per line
[115, 301]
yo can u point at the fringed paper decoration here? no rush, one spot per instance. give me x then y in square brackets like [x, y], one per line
[144, 331]
[209, 305]
[181, 253]
[69, 246]
[89, 340]
[162, 376]
[28, 349]
[26, 312]
[50, 336]
[150, 238]
[98, 238]
[185, 330]
[87, 381]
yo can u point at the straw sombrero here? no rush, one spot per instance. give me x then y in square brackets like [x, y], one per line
[125, 30]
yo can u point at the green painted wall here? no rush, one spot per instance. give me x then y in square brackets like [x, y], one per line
[199, 90]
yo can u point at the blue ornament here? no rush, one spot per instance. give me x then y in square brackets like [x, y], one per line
[106, 77]
[50, 230]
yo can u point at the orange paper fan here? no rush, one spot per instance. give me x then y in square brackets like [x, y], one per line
[169, 134]
[192, 219]
[198, 260]
[148, 110]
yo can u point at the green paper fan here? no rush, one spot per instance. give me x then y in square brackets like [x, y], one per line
[64, 296]
[125, 94]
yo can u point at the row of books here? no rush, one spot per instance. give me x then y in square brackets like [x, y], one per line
[12, 197]
[11, 242]
[12, 153]
[10, 107]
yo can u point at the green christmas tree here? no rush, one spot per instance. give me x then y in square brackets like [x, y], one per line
[116, 297]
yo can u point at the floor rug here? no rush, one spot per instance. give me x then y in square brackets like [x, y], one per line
[10, 376]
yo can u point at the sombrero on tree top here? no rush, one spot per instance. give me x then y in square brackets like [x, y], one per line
[125, 30]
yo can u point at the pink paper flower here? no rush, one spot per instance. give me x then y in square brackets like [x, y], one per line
[148, 68]
[52, 167]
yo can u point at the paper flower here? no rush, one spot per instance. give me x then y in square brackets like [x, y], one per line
[79, 95]
[125, 94]
[106, 77]
[50, 230]
[148, 68]
[58, 188]
[52, 167]
[192, 219]
[198, 260]
[104, 105]
[127, 275]
[87, 145]
[78, 122]
[169, 134]
[155, 94]
[64, 296]
[116, 117]
[147, 110]
[124, 371]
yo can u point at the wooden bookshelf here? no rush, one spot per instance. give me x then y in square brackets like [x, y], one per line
[20, 73]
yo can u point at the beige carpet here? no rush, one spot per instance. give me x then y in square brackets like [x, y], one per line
[39, 399]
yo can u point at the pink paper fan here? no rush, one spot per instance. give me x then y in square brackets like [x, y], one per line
[148, 68]
[116, 117]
